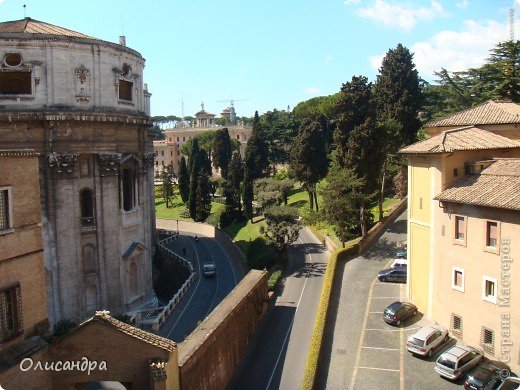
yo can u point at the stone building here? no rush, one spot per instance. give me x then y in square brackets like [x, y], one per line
[23, 308]
[464, 224]
[81, 103]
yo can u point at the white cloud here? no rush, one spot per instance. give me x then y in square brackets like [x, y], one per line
[454, 50]
[355, 2]
[242, 71]
[328, 58]
[403, 16]
[312, 91]
[463, 4]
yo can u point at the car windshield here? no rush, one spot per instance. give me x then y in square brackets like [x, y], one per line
[416, 341]
[446, 362]
[393, 308]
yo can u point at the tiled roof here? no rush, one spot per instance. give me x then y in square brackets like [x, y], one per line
[465, 138]
[488, 113]
[31, 26]
[150, 338]
[496, 186]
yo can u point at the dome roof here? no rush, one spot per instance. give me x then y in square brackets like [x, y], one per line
[32, 26]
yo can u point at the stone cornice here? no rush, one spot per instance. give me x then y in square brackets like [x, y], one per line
[74, 116]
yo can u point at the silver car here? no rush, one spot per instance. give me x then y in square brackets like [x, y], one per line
[209, 269]
[458, 360]
[427, 339]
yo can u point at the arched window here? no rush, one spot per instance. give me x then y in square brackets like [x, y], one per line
[133, 283]
[86, 200]
[89, 259]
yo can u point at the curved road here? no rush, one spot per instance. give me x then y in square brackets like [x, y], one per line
[206, 293]
[276, 356]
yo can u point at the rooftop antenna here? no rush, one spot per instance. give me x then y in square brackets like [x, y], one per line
[511, 24]
[24, 11]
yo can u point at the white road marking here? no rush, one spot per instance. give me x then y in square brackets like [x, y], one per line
[292, 322]
[229, 261]
[385, 330]
[375, 312]
[386, 297]
[382, 349]
[379, 369]
[216, 274]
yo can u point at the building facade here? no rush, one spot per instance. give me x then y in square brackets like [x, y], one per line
[463, 217]
[23, 306]
[82, 105]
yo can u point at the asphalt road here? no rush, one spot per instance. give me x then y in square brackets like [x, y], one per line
[206, 292]
[361, 351]
[276, 356]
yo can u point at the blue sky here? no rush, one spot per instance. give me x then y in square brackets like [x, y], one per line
[276, 53]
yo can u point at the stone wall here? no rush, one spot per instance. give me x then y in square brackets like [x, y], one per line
[210, 354]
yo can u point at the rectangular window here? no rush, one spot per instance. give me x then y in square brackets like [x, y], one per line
[10, 312]
[457, 282]
[460, 228]
[491, 234]
[177, 139]
[5, 208]
[455, 172]
[489, 292]
[162, 152]
[15, 83]
[487, 340]
[128, 189]
[125, 90]
[171, 152]
[456, 325]
[183, 139]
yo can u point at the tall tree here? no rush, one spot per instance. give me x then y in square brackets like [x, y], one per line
[309, 158]
[184, 180]
[352, 108]
[247, 191]
[236, 175]
[282, 226]
[202, 197]
[168, 177]
[222, 151]
[398, 99]
[257, 152]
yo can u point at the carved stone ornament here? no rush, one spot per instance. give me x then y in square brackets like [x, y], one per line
[109, 163]
[148, 160]
[63, 163]
[82, 84]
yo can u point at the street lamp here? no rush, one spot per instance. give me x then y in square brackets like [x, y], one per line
[177, 226]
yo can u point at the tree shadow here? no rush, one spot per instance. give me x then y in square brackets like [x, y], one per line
[298, 203]
[380, 250]
[398, 227]
[310, 270]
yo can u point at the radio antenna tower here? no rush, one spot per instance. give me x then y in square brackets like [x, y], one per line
[511, 24]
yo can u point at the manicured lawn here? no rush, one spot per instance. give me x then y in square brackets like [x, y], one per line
[387, 204]
[161, 211]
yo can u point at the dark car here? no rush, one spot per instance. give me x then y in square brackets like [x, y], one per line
[485, 376]
[398, 311]
[397, 274]
[511, 383]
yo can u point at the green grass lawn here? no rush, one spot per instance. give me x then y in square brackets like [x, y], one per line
[161, 211]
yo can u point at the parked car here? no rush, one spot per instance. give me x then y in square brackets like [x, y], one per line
[398, 311]
[511, 383]
[397, 274]
[427, 339]
[458, 360]
[401, 254]
[209, 269]
[400, 263]
[485, 376]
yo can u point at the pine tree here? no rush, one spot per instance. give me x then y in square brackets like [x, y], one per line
[168, 176]
[309, 158]
[352, 108]
[247, 192]
[222, 151]
[184, 180]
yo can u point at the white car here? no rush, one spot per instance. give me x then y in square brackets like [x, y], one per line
[400, 263]
[458, 360]
[209, 269]
[427, 339]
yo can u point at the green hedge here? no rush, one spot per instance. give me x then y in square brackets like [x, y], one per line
[311, 367]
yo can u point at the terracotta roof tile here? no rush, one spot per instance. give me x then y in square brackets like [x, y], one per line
[490, 112]
[496, 186]
[32, 26]
[150, 338]
[465, 138]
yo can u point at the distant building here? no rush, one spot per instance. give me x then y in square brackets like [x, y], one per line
[81, 104]
[464, 227]
[23, 306]
[169, 150]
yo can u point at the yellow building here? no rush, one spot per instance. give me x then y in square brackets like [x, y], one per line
[464, 227]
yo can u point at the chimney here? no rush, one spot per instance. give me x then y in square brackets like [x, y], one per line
[122, 40]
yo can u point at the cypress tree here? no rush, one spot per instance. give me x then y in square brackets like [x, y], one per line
[184, 180]
[202, 197]
[222, 151]
[235, 176]
[257, 152]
